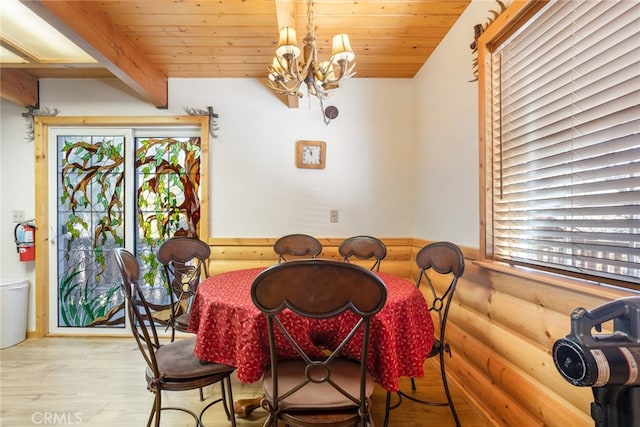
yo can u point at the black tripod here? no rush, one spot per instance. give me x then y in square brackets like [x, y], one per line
[616, 406]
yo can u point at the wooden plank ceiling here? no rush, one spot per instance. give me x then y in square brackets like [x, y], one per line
[145, 42]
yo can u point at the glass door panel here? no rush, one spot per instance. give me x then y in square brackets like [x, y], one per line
[90, 224]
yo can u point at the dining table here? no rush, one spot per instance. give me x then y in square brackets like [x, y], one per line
[230, 329]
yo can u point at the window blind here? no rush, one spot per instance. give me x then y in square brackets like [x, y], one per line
[565, 141]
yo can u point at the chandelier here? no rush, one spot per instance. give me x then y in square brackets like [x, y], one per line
[289, 69]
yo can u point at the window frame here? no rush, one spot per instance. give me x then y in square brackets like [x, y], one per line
[510, 21]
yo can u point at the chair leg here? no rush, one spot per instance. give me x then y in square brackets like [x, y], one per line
[443, 374]
[387, 409]
[155, 409]
[201, 395]
[227, 400]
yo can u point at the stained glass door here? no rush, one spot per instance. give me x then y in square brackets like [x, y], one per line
[116, 188]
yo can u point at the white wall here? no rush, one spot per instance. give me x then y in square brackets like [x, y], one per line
[17, 181]
[446, 109]
[258, 191]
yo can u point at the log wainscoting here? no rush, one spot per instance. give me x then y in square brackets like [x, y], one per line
[234, 254]
[502, 327]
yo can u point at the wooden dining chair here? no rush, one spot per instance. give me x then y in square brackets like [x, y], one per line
[185, 263]
[363, 248]
[297, 245]
[170, 367]
[320, 387]
[441, 264]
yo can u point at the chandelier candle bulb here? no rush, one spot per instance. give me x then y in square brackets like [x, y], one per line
[287, 44]
[342, 48]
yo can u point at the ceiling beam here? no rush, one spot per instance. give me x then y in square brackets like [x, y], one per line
[286, 16]
[20, 87]
[86, 25]
[285, 13]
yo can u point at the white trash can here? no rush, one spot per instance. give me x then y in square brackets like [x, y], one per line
[14, 294]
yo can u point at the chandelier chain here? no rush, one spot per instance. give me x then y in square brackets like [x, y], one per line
[310, 29]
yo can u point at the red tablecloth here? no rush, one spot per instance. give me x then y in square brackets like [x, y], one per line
[231, 330]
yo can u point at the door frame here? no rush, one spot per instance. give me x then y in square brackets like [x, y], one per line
[43, 187]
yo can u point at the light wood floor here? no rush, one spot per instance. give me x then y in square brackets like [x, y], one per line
[100, 382]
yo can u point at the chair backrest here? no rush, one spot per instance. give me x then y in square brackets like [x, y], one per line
[298, 245]
[446, 259]
[363, 247]
[319, 289]
[185, 261]
[138, 312]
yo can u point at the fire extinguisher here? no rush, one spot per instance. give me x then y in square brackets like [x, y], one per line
[25, 233]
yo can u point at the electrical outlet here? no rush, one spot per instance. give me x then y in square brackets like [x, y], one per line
[18, 216]
[333, 216]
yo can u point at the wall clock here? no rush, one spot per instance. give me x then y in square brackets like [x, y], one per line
[311, 154]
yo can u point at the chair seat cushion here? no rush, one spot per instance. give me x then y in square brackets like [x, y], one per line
[314, 396]
[176, 361]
